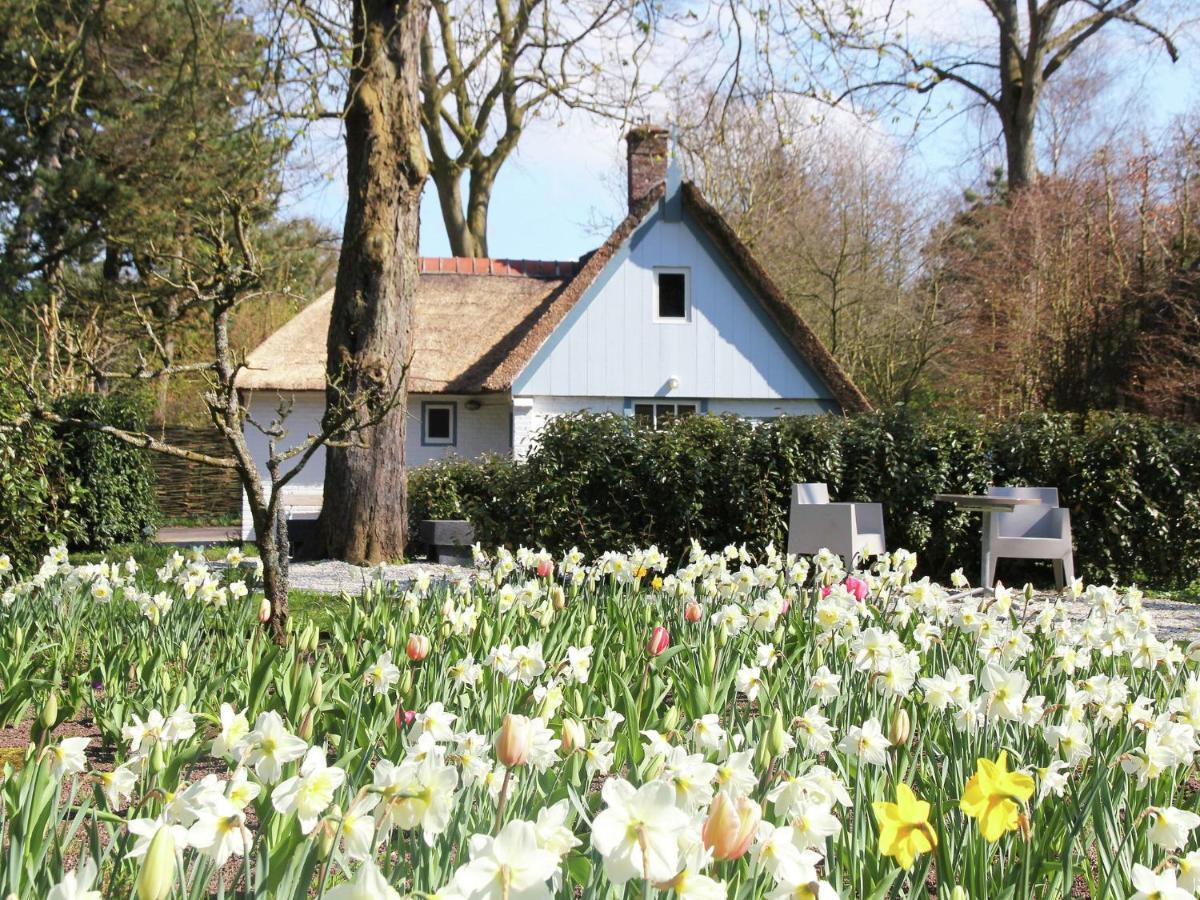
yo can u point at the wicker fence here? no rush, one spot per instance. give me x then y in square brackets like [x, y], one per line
[193, 492]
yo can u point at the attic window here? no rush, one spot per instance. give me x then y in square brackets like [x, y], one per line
[438, 424]
[672, 295]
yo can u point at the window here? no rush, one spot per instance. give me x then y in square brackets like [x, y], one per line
[660, 415]
[439, 424]
[672, 299]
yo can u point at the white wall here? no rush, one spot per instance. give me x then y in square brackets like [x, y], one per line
[483, 430]
[531, 413]
[610, 344]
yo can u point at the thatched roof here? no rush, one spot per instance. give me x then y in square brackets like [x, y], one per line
[479, 322]
[468, 317]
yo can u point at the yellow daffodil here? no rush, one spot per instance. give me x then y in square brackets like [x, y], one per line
[993, 794]
[904, 829]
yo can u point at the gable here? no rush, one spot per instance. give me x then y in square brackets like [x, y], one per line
[609, 344]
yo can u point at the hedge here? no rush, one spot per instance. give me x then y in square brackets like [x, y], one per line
[62, 484]
[604, 482]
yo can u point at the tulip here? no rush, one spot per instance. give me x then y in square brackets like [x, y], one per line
[730, 827]
[417, 647]
[50, 711]
[659, 641]
[157, 877]
[404, 716]
[574, 737]
[693, 612]
[514, 741]
[901, 729]
[857, 587]
[264, 610]
[544, 568]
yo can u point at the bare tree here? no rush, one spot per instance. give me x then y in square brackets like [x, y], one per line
[838, 226]
[488, 68]
[849, 52]
[213, 288]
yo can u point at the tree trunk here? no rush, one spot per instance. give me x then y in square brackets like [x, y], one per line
[364, 513]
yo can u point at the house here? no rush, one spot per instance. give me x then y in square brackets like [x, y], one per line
[671, 316]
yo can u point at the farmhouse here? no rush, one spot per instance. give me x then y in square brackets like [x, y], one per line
[671, 316]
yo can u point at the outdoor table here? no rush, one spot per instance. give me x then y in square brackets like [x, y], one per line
[986, 504]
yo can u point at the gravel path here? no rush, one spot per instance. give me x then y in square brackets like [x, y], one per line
[1173, 619]
[332, 577]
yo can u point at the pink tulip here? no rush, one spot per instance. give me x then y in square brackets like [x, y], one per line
[693, 611]
[857, 587]
[544, 568]
[417, 647]
[660, 639]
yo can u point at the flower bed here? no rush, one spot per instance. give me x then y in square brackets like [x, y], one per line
[741, 727]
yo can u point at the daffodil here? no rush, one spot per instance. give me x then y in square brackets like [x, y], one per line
[904, 829]
[993, 795]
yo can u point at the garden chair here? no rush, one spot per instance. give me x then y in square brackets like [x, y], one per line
[851, 530]
[1041, 531]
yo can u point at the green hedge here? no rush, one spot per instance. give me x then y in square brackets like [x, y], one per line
[115, 503]
[603, 482]
[61, 484]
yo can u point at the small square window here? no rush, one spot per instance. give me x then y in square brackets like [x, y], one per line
[671, 290]
[438, 424]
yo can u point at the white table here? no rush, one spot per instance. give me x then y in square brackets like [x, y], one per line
[986, 504]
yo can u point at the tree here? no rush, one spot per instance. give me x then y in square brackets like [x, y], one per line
[839, 232]
[488, 68]
[224, 275]
[838, 52]
[364, 513]
[114, 115]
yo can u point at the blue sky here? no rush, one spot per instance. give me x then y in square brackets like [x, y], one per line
[567, 175]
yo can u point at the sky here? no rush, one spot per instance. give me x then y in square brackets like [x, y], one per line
[566, 178]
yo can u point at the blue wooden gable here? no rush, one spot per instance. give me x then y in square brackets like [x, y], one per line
[610, 343]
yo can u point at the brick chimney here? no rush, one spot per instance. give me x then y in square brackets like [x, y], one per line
[646, 152]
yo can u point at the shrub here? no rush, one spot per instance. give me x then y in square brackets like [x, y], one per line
[115, 501]
[37, 497]
[601, 482]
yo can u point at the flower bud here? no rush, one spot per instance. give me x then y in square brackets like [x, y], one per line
[183, 651]
[730, 826]
[406, 683]
[671, 720]
[390, 634]
[659, 641]
[544, 568]
[777, 741]
[264, 610]
[417, 647]
[693, 612]
[50, 711]
[318, 693]
[306, 726]
[157, 762]
[514, 740]
[558, 597]
[901, 729]
[574, 737]
[157, 877]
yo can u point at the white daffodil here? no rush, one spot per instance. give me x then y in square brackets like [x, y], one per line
[233, 729]
[220, 830]
[1170, 827]
[510, 866]
[382, 674]
[368, 884]
[76, 884]
[270, 746]
[1151, 885]
[67, 756]
[866, 742]
[309, 793]
[415, 795]
[637, 833]
[358, 827]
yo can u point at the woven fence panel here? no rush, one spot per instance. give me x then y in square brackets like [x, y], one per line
[193, 491]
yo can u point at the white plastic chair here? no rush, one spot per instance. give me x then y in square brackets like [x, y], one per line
[1036, 531]
[851, 530]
